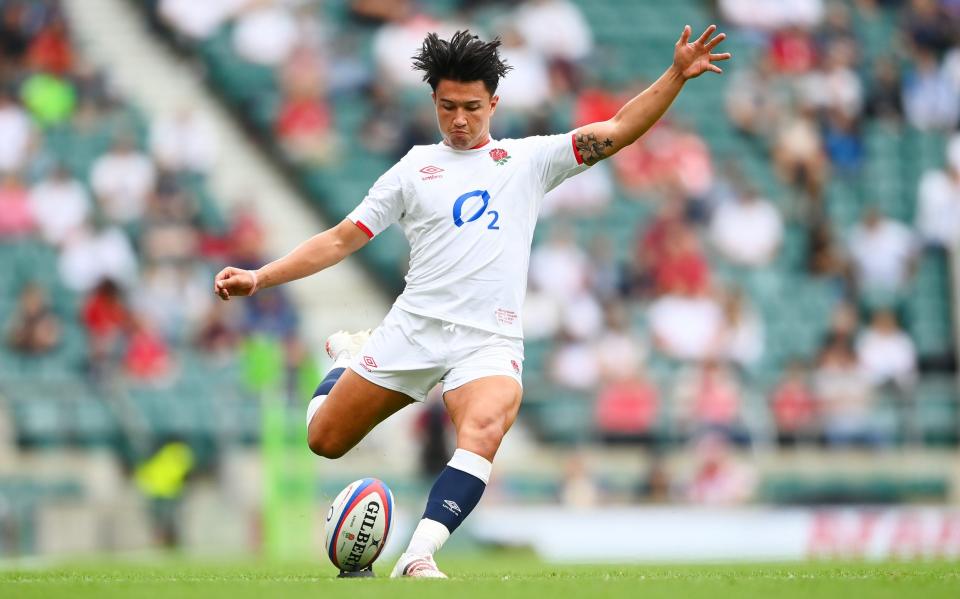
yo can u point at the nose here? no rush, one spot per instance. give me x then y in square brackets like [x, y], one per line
[460, 120]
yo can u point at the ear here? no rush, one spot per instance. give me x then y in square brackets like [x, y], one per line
[433, 96]
[493, 103]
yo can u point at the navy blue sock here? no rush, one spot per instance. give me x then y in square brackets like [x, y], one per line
[456, 492]
[328, 382]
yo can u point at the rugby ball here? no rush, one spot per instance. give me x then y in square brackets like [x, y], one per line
[358, 523]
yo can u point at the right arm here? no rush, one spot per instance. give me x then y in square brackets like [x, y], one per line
[310, 257]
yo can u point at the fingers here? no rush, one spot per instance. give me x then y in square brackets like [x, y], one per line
[706, 35]
[685, 36]
[724, 56]
[714, 68]
[713, 43]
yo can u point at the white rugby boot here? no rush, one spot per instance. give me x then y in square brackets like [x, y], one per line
[344, 344]
[411, 565]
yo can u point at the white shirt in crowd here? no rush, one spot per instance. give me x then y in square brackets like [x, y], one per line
[469, 217]
[575, 365]
[764, 14]
[15, 131]
[938, 210]
[184, 141]
[122, 182]
[88, 257]
[887, 356]
[882, 254]
[60, 206]
[265, 35]
[559, 267]
[555, 28]
[689, 327]
[528, 86]
[394, 43]
[747, 231]
[198, 20]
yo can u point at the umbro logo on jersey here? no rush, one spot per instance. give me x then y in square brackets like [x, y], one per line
[431, 172]
[452, 506]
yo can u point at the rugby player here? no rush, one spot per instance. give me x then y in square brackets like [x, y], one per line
[468, 206]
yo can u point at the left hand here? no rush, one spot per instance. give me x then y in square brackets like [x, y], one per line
[693, 59]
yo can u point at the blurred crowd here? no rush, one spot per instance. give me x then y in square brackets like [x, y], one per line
[658, 330]
[121, 204]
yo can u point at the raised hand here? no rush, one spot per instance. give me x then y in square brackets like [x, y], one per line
[694, 59]
[232, 282]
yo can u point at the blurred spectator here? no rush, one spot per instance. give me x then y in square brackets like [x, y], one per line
[216, 335]
[886, 353]
[555, 28]
[884, 97]
[836, 87]
[708, 400]
[826, 258]
[173, 298]
[930, 100]
[883, 252]
[432, 428]
[627, 409]
[590, 192]
[757, 98]
[90, 255]
[147, 357]
[397, 40]
[198, 20]
[16, 217]
[270, 312]
[682, 264]
[748, 230]
[794, 407]
[846, 398]
[33, 328]
[582, 315]
[574, 364]
[50, 49]
[16, 132]
[265, 33]
[184, 141]
[105, 317]
[687, 325]
[742, 336]
[606, 277]
[844, 322]
[376, 12]
[122, 180]
[719, 479]
[652, 242]
[938, 201]
[619, 352]
[799, 157]
[541, 314]
[928, 26]
[843, 143]
[303, 124]
[667, 156]
[558, 266]
[792, 51]
[765, 15]
[527, 88]
[578, 489]
[167, 231]
[60, 205]
[14, 39]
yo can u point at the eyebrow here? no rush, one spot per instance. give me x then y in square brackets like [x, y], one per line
[464, 103]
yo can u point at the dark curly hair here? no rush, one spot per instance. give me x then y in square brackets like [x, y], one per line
[464, 58]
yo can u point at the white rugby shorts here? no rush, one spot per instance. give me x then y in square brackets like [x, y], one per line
[410, 353]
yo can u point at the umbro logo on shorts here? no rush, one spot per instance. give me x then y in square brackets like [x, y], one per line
[516, 367]
[431, 172]
[368, 363]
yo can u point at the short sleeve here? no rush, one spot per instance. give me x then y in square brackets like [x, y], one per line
[557, 158]
[383, 205]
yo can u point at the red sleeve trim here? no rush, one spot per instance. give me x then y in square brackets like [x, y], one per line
[364, 228]
[576, 152]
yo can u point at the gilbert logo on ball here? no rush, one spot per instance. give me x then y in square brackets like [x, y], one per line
[358, 523]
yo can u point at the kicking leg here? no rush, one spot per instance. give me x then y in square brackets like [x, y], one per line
[346, 406]
[482, 412]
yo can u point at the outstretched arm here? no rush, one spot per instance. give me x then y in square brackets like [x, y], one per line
[313, 255]
[597, 141]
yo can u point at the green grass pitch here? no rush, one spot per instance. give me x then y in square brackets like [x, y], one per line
[503, 576]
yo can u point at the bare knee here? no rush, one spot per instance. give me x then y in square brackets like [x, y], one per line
[482, 435]
[323, 442]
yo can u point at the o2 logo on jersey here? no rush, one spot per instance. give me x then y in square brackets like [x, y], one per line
[475, 213]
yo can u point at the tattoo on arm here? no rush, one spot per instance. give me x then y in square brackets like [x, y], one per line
[591, 149]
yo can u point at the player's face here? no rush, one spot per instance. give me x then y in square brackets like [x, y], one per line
[463, 112]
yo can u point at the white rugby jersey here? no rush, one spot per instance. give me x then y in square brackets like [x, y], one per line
[469, 217]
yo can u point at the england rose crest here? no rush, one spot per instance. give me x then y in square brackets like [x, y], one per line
[499, 155]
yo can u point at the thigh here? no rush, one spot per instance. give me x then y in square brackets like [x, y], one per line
[482, 412]
[352, 409]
